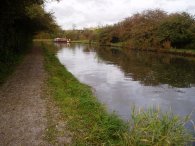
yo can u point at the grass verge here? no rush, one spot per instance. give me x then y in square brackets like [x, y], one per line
[86, 117]
[90, 124]
[181, 52]
[155, 128]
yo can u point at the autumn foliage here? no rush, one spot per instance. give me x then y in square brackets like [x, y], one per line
[152, 29]
[20, 21]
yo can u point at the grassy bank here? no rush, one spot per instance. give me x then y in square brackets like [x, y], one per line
[123, 45]
[84, 42]
[93, 42]
[87, 119]
[81, 41]
[181, 52]
[153, 127]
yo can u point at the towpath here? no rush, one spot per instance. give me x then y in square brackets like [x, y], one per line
[23, 107]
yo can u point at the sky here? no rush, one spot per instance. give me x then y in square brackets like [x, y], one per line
[92, 13]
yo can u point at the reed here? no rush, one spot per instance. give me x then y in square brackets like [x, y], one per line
[153, 127]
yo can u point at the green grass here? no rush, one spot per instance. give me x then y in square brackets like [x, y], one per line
[186, 51]
[154, 128]
[86, 117]
[80, 41]
[84, 42]
[90, 124]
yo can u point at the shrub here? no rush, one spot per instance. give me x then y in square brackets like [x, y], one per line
[154, 128]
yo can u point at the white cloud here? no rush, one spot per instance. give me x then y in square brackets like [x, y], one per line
[89, 13]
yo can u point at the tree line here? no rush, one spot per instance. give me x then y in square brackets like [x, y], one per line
[150, 29]
[20, 21]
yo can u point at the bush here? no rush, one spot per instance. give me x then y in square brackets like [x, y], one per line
[152, 29]
[154, 128]
[177, 29]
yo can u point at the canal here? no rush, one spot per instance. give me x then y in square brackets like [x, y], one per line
[122, 79]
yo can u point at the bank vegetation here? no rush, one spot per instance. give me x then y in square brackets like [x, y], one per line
[153, 30]
[90, 123]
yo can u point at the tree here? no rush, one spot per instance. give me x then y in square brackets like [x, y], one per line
[177, 28]
[20, 21]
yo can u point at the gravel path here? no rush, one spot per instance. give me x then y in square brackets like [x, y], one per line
[22, 108]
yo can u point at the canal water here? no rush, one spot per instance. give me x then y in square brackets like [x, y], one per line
[123, 79]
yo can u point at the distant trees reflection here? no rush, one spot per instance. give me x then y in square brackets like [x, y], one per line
[152, 69]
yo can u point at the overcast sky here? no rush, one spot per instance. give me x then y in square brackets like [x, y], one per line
[90, 13]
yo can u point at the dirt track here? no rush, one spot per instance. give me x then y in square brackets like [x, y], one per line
[23, 118]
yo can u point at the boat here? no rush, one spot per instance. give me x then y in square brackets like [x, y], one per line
[63, 40]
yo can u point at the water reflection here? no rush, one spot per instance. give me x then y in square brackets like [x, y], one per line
[124, 78]
[152, 70]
